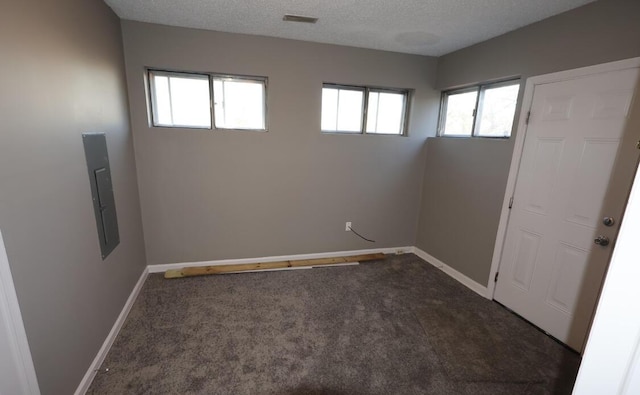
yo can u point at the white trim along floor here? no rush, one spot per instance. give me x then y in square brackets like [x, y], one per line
[111, 337]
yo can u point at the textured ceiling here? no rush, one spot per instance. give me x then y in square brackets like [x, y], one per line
[425, 27]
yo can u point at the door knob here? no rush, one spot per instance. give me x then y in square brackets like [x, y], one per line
[602, 241]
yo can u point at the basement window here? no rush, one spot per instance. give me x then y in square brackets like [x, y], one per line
[485, 110]
[180, 100]
[239, 103]
[207, 101]
[360, 109]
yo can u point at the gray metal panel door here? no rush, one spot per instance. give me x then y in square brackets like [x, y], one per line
[95, 149]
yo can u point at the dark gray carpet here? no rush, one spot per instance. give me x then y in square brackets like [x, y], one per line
[397, 326]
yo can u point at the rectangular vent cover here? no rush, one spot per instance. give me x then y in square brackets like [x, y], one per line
[299, 18]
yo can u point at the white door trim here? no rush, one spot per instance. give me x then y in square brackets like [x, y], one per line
[10, 313]
[519, 145]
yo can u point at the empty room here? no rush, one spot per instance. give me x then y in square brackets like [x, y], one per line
[345, 197]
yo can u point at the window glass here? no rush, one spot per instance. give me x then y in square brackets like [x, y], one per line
[497, 111]
[460, 113]
[329, 109]
[493, 116]
[239, 103]
[180, 100]
[342, 110]
[163, 101]
[385, 112]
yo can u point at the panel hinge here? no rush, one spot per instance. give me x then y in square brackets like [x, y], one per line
[510, 202]
[638, 144]
[495, 279]
[526, 121]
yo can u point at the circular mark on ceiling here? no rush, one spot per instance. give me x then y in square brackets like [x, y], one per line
[417, 39]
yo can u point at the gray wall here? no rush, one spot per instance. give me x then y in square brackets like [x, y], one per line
[221, 194]
[462, 198]
[62, 74]
[603, 31]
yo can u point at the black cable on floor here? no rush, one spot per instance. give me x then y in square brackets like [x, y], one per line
[361, 236]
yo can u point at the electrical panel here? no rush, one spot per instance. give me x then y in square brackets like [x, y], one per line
[104, 205]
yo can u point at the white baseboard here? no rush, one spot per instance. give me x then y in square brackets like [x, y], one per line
[171, 266]
[464, 280]
[111, 337]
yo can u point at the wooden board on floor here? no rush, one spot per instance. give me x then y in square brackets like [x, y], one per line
[222, 269]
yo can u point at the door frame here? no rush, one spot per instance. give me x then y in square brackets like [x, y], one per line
[11, 317]
[518, 148]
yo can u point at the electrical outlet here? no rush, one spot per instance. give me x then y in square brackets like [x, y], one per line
[347, 227]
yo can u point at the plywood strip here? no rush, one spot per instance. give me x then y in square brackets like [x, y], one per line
[222, 269]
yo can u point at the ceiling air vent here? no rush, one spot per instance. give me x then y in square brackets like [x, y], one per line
[299, 18]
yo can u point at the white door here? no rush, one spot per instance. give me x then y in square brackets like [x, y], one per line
[551, 271]
[17, 375]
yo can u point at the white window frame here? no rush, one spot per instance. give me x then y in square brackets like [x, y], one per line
[407, 93]
[480, 89]
[211, 77]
